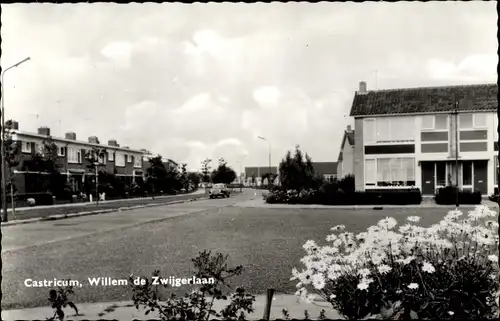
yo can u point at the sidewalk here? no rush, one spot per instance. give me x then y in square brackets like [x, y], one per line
[126, 311]
[21, 209]
[258, 202]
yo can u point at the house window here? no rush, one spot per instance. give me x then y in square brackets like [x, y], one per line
[129, 158]
[61, 151]
[369, 131]
[395, 172]
[435, 122]
[102, 158]
[497, 171]
[120, 159]
[74, 155]
[137, 161]
[395, 129]
[480, 120]
[441, 179]
[467, 173]
[111, 156]
[330, 177]
[466, 121]
[26, 147]
[370, 172]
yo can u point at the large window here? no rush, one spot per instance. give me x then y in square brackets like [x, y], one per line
[74, 155]
[395, 129]
[386, 172]
[111, 156]
[120, 159]
[435, 122]
[137, 161]
[370, 172]
[26, 147]
[441, 179]
[465, 121]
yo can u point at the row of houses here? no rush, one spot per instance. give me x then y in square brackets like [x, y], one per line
[424, 138]
[126, 163]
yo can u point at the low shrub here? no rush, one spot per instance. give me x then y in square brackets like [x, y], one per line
[448, 196]
[40, 198]
[494, 198]
[446, 271]
[330, 194]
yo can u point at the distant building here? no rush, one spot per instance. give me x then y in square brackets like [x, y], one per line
[124, 162]
[345, 162]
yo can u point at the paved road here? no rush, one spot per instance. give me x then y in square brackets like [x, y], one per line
[267, 242]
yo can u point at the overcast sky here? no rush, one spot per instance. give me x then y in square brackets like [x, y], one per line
[204, 80]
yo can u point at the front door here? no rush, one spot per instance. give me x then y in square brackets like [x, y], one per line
[481, 176]
[428, 178]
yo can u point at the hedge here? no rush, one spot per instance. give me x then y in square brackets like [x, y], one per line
[448, 196]
[327, 195]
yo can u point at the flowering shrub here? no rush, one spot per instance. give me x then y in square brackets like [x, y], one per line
[305, 196]
[444, 271]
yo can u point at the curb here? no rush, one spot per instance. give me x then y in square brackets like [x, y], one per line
[88, 213]
[356, 207]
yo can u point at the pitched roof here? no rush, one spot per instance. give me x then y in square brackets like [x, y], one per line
[348, 136]
[426, 100]
[323, 168]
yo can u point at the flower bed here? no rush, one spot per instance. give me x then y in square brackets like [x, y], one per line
[329, 196]
[448, 196]
[445, 271]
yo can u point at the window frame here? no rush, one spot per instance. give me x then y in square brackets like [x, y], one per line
[370, 183]
[137, 161]
[27, 150]
[460, 121]
[61, 151]
[474, 125]
[374, 131]
[376, 185]
[110, 156]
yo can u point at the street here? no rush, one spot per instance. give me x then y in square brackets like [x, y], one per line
[267, 242]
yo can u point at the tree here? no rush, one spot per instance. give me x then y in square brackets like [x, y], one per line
[223, 173]
[94, 157]
[194, 179]
[156, 174]
[205, 170]
[12, 151]
[183, 177]
[295, 172]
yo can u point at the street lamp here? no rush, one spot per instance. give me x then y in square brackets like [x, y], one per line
[269, 175]
[96, 165]
[4, 181]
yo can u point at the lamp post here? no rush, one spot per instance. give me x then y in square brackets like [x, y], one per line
[269, 175]
[96, 165]
[4, 184]
[457, 199]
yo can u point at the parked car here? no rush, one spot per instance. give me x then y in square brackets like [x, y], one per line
[219, 190]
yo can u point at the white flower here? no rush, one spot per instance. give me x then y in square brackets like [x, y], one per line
[318, 281]
[406, 261]
[414, 219]
[364, 272]
[338, 228]
[413, 286]
[387, 223]
[333, 296]
[451, 312]
[383, 269]
[363, 285]
[428, 268]
[493, 258]
[309, 245]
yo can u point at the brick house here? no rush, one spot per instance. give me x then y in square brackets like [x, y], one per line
[124, 162]
[408, 138]
[345, 162]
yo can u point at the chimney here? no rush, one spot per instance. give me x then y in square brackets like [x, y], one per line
[15, 125]
[44, 131]
[113, 142]
[70, 136]
[349, 128]
[93, 140]
[362, 87]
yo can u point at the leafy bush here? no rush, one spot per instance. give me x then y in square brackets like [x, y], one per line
[59, 300]
[40, 198]
[494, 198]
[346, 184]
[446, 271]
[448, 195]
[330, 194]
[195, 305]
